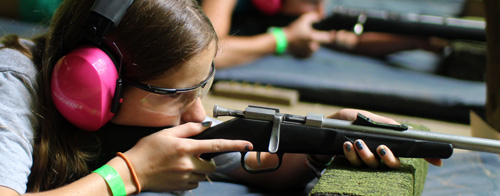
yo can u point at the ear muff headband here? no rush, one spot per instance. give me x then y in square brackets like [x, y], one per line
[269, 7]
[104, 15]
[86, 83]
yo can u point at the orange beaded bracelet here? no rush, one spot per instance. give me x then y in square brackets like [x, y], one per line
[132, 171]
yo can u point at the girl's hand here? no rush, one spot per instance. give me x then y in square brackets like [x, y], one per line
[168, 160]
[358, 153]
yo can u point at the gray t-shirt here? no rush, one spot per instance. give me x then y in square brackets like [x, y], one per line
[18, 121]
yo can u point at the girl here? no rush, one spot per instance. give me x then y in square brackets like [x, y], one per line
[164, 46]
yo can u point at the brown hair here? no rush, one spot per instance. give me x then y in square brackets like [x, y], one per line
[155, 37]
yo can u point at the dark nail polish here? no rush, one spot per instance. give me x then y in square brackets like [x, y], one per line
[348, 147]
[359, 145]
[206, 123]
[247, 147]
[382, 152]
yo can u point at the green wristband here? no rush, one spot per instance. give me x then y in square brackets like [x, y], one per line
[281, 41]
[113, 179]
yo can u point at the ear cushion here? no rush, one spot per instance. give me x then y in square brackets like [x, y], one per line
[269, 7]
[83, 84]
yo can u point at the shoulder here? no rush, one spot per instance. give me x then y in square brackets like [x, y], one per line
[14, 62]
[18, 91]
[18, 118]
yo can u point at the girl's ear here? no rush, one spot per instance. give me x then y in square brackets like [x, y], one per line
[83, 85]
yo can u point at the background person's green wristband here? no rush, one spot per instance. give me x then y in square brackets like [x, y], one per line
[113, 179]
[281, 41]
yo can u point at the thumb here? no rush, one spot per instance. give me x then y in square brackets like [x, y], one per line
[436, 162]
[310, 17]
[188, 129]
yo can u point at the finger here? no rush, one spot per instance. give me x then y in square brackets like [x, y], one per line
[196, 177]
[311, 17]
[345, 114]
[351, 115]
[351, 154]
[388, 157]
[436, 162]
[378, 118]
[191, 178]
[189, 186]
[323, 37]
[188, 129]
[186, 181]
[217, 145]
[202, 166]
[314, 46]
[365, 154]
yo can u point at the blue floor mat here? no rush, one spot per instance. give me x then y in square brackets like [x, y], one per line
[471, 173]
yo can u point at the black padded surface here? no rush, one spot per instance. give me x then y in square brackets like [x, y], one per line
[338, 78]
[23, 29]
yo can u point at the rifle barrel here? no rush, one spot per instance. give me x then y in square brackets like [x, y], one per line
[462, 142]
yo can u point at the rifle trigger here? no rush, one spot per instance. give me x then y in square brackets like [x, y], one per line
[365, 121]
[258, 159]
[274, 140]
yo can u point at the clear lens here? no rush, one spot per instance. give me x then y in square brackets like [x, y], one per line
[174, 104]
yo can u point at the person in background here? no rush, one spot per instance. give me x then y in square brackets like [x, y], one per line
[251, 29]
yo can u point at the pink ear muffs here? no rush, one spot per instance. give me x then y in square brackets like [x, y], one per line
[83, 84]
[269, 7]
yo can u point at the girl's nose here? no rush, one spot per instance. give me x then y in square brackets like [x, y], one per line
[196, 113]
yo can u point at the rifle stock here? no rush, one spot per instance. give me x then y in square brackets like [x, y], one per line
[296, 138]
[271, 131]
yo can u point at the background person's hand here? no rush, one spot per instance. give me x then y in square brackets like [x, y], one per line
[169, 161]
[303, 40]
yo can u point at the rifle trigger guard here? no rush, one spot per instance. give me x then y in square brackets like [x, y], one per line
[256, 171]
[274, 140]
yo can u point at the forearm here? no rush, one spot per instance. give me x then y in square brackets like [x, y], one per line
[380, 44]
[219, 12]
[94, 184]
[236, 50]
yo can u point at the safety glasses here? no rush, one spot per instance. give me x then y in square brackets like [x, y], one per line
[171, 101]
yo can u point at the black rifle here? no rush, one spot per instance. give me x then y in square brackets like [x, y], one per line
[359, 20]
[271, 131]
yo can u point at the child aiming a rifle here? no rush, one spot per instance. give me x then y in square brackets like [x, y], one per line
[162, 56]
